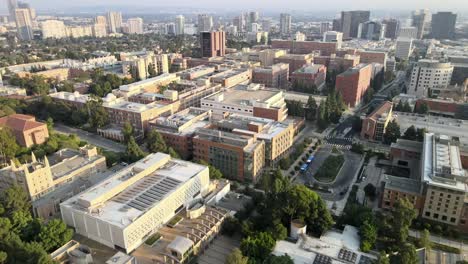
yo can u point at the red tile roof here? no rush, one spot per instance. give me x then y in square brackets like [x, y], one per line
[19, 122]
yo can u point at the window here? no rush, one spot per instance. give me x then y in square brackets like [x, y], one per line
[453, 220]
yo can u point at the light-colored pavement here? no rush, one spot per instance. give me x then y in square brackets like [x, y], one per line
[219, 249]
[90, 138]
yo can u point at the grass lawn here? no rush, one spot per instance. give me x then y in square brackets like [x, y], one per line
[330, 168]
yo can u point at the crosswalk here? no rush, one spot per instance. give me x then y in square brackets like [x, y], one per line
[339, 146]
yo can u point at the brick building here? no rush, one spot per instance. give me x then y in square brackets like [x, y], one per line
[275, 76]
[305, 47]
[374, 125]
[353, 83]
[310, 74]
[295, 61]
[213, 44]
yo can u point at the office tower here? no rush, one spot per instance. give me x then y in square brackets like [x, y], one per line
[371, 30]
[252, 18]
[408, 32]
[419, 20]
[336, 24]
[403, 48]
[205, 23]
[353, 83]
[333, 36]
[428, 75]
[179, 24]
[135, 25]
[24, 24]
[100, 20]
[255, 27]
[285, 23]
[324, 27]
[239, 22]
[213, 43]
[443, 25]
[32, 11]
[12, 5]
[350, 21]
[391, 27]
[53, 29]
[114, 22]
[170, 28]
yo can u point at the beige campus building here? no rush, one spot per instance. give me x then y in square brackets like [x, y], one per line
[40, 177]
[125, 209]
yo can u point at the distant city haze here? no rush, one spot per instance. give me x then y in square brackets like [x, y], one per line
[300, 5]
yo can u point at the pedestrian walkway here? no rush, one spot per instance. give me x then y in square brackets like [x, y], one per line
[442, 240]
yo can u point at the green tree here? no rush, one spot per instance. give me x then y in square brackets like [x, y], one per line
[407, 108]
[392, 132]
[173, 153]
[15, 199]
[407, 254]
[50, 124]
[420, 132]
[410, 133]
[278, 230]
[258, 246]
[285, 259]
[370, 191]
[133, 151]
[399, 106]
[54, 234]
[425, 240]
[214, 172]
[127, 131]
[368, 233]
[98, 116]
[383, 258]
[3, 257]
[155, 142]
[8, 145]
[402, 217]
[423, 108]
[312, 108]
[236, 257]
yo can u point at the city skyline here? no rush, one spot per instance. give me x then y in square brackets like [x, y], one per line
[276, 5]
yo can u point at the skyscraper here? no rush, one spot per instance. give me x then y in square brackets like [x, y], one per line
[12, 5]
[371, 30]
[239, 22]
[420, 18]
[213, 43]
[350, 21]
[324, 27]
[24, 24]
[179, 24]
[285, 23]
[32, 11]
[391, 27]
[443, 25]
[135, 25]
[205, 23]
[114, 22]
[252, 18]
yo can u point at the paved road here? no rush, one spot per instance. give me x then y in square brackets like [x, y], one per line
[91, 138]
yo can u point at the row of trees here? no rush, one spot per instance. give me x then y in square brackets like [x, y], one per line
[331, 110]
[102, 84]
[23, 238]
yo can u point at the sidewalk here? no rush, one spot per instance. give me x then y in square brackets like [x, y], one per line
[444, 241]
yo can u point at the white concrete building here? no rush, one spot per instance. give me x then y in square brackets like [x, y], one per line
[53, 29]
[128, 207]
[427, 75]
[135, 25]
[179, 25]
[403, 48]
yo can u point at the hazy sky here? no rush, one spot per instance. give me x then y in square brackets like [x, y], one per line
[450, 5]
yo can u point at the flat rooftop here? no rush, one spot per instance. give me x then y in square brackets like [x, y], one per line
[122, 104]
[245, 95]
[270, 128]
[310, 68]
[183, 122]
[402, 184]
[130, 192]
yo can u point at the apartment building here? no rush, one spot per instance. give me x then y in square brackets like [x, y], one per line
[310, 75]
[125, 209]
[374, 125]
[139, 61]
[275, 76]
[429, 75]
[196, 72]
[26, 129]
[238, 157]
[403, 48]
[250, 100]
[353, 83]
[179, 129]
[372, 57]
